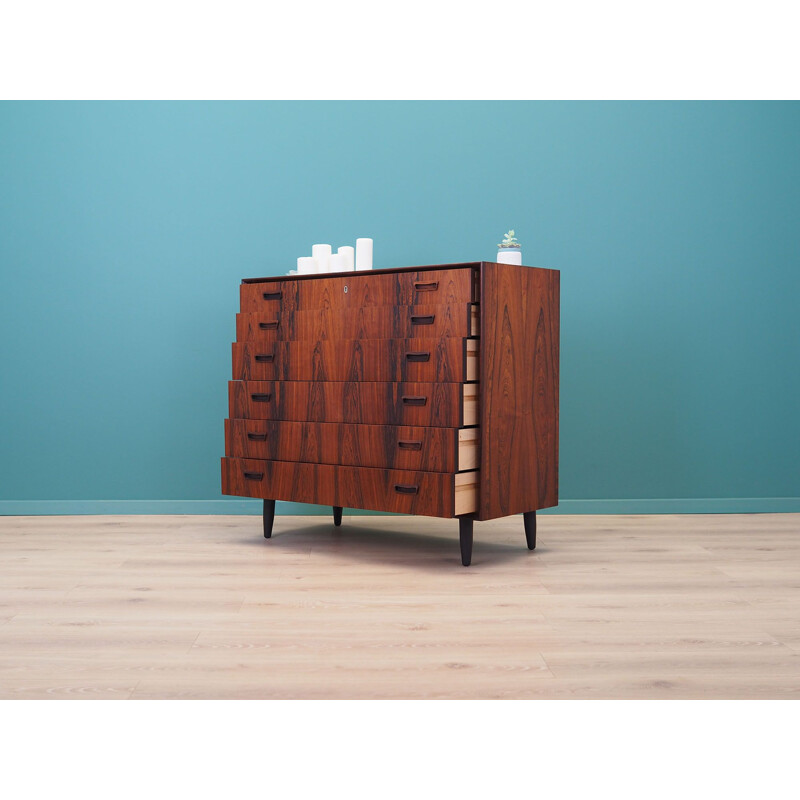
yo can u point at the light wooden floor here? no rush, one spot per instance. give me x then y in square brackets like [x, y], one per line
[607, 607]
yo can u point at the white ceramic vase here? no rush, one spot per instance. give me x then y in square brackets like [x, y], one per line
[509, 255]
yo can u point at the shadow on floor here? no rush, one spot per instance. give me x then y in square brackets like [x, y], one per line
[404, 543]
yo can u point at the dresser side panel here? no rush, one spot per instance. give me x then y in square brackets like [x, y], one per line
[519, 375]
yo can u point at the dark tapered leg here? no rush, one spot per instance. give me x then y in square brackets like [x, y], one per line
[269, 517]
[465, 535]
[530, 528]
[337, 516]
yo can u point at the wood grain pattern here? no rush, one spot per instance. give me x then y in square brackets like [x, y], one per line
[369, 322]
[358, 289]
[448, 360]
[405, 492]
[519, 389]
[622, 607]
[309, 351]
[446, 405]
[389, 446]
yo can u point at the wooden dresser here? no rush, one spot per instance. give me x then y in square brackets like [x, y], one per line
[419, 390]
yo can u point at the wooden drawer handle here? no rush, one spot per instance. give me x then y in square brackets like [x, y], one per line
[402, 488]
[408, 445]
[257, 437]
[272, 295]
[414, 401]
[254, 476]
[261, 398]
[268, 326]
[426, 287]
[423, 320]
[265, 358]
[418, 356]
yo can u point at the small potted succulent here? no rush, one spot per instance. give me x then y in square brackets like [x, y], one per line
[509, 250]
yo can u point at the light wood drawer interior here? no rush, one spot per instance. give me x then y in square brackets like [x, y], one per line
[466, 493]
[470, 403]
[473, 364]
[468, 448]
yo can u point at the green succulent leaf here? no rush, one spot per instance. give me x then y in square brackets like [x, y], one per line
[509, 240]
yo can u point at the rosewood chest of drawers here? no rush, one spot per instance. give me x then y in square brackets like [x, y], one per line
[419, 390]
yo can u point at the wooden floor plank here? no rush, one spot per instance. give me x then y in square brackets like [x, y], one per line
[690, 606]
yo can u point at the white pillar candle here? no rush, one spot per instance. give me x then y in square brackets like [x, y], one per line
[336, 263]
[306, 265]
[363, 253]
[349, 256]
[322, 252]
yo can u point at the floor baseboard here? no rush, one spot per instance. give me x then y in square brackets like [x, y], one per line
[234, 505]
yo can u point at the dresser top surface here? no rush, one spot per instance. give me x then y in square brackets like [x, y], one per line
[352, 273]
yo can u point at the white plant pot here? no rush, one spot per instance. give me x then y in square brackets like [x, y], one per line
[509, 255]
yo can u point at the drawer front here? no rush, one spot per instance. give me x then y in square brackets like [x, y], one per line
[448, 360]
[385, 446]
[440, 405]
[359, 289]
[434, 494]
[269, 296]
[402, 322]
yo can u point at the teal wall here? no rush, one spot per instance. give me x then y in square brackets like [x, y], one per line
[125, 228]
